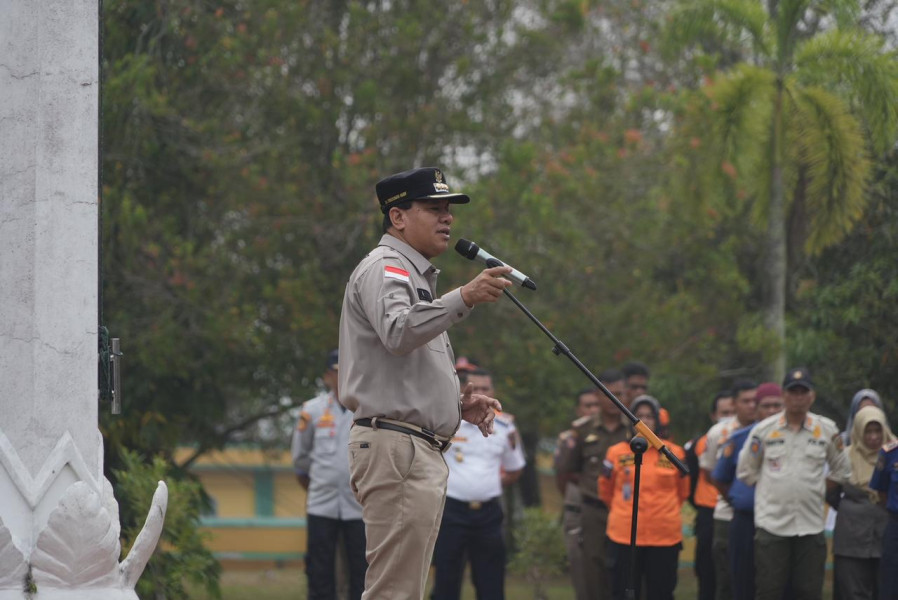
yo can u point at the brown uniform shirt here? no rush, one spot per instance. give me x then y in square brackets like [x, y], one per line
[584, 452]
[395, 356]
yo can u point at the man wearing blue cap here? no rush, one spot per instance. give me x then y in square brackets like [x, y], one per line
[398, 376]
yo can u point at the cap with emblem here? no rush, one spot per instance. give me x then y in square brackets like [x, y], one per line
[798, 377]
[425, 183]
[331, 362]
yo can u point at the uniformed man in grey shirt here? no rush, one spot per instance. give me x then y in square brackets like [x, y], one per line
[397, 375]
[785, 458]
[321, 460]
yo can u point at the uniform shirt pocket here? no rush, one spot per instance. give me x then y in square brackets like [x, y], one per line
[775, 460]
[437, 344]
[814, 460]
[325, 443]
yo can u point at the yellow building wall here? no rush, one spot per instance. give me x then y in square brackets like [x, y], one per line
[232, 491]
[289, 497]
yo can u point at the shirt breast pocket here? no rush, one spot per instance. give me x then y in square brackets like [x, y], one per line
[775, 458]
[815, 461]
[437, 344]
[325, 443]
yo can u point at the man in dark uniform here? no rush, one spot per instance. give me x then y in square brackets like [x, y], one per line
[569, 487]
[581, 459]
[397, 375]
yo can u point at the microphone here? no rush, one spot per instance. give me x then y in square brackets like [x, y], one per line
[470, 250]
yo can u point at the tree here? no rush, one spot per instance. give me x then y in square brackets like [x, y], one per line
[796, 125]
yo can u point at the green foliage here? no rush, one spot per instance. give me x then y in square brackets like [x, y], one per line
[181, 557]
[790, 128]
[541, 553]
[241, 144]
[845, 324]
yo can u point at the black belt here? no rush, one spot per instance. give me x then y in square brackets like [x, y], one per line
[575, 508]
[475, 505]
[424, 434]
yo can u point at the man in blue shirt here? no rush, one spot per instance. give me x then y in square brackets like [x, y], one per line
[885, 481]
[741, 496]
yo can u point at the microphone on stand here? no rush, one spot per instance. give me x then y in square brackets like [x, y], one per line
[470, 250]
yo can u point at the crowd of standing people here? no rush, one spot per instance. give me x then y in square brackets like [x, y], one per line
[760, 480]
[406, 455]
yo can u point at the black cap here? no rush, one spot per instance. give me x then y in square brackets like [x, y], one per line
[426, 183]
[798, 376]
[331, 362]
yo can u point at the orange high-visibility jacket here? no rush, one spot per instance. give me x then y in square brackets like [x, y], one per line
[662, 490]
[705, 492]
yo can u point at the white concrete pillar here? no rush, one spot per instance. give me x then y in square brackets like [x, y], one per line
[54, 500]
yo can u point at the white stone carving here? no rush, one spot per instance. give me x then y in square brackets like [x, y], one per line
[79, 547]
[12, 564]
[145, 543]
[34, 488]
[76, 554]
[75, 546]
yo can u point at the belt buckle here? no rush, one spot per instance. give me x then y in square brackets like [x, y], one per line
[475, 505]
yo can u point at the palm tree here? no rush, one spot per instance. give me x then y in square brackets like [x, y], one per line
[801, 118]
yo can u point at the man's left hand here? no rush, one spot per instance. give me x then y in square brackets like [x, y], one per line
[479, 409]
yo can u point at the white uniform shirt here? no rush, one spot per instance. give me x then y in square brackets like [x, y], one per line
[788, 471]
[716, 438]
[474, 461]
[320, 449]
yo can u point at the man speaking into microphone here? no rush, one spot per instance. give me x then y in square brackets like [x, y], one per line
[397, 375]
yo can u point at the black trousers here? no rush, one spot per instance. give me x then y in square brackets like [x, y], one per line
[704, 559]
[741, 551]
[475, 534]
[656, 570]
[321, 556]
[888, 565]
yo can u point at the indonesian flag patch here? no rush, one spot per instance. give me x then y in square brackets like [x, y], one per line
[396, 273]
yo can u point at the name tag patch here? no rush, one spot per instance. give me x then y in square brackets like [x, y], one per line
[424, 295]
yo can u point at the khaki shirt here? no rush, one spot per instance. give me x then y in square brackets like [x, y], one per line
[787, 468]
[584, 452]
[320, 451]
[395, 357]
[716, 437]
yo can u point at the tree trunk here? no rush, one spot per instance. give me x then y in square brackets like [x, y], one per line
[775, 256]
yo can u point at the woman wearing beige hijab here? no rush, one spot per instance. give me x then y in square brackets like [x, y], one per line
[857, 539]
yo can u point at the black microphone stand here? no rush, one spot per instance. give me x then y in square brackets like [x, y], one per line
[638, 445]
[640, 427]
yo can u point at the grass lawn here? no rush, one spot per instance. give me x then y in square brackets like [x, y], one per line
[290, 584]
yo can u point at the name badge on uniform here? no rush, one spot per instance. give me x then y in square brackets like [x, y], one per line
[424, 295]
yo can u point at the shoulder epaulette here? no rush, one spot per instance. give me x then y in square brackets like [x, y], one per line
[890, 446]
[504, 417]
[501, 422]
[581, 421]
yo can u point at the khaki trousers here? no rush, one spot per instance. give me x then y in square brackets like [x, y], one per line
[400, 481]
[594, 521]
[573, 540]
